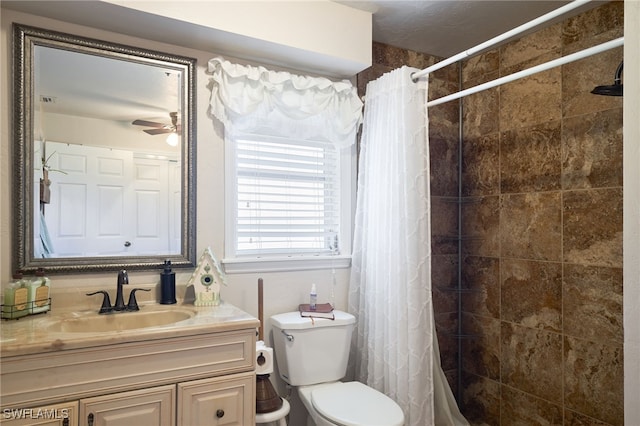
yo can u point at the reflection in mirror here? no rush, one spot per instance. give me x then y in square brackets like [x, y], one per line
[104, 162]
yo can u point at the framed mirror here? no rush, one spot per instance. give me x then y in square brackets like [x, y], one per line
[104, 149]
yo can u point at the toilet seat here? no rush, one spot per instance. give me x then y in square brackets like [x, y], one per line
[355, 404]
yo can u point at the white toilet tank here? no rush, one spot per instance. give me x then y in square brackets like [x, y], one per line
[312, 351]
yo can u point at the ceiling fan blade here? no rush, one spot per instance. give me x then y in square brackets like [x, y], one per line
[147, 123]
[157, 131]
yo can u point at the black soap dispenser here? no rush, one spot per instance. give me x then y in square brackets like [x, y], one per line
[167, 285]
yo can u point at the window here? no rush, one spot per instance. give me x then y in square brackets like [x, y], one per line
[289, 167]
[289, 203]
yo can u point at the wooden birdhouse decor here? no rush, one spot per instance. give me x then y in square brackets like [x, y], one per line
[207, 279]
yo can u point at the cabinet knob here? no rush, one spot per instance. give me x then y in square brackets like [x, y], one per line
[219, 413]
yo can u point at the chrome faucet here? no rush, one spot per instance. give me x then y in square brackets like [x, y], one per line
[123, 278]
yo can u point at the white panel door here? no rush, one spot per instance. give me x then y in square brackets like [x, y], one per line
[105, 202]
[151, 197]
[175, 204]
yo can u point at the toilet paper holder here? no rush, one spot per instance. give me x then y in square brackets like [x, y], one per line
[264, 358]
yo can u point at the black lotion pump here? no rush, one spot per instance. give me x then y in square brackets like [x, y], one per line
[167, 285]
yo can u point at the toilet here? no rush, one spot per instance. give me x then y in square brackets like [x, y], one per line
[312, 355]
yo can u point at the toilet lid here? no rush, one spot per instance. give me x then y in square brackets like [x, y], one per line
[355, 404]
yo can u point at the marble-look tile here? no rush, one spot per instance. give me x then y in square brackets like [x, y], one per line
[396, 57]
[579, 78]
[448, 73]
[593, 22]
[530, 158]
[531, 46]
[444, 301]
[592, 150]
[594, 379]
[519, 408]
[445, 116]
[481, 278]
[530, 226]
[571, 418]
[481, 353]
[480, 158]
[592, 303]
[531, 361]
[446, 328]
[592, 227]
[481, 226]
[390, 56]
[452, 379]
[531, 293]
[531, 100]
[444, 274]
[443, 162]
[444, 271]
[481, 111]
[444, 226]
[480, 65]
[481, 398]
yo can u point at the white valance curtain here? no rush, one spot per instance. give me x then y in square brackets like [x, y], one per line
[254, 99]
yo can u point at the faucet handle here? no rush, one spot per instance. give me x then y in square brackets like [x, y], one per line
[133, 303]
[106, 302]
[123, 277]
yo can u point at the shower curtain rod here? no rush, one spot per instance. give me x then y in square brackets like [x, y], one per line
[487, 44]
[529, 71]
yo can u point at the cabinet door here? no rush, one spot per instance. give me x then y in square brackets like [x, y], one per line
[227, 400]
[65, 414]
[145, 407]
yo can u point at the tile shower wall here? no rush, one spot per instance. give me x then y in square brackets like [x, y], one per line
[541, 257]
[542, 201]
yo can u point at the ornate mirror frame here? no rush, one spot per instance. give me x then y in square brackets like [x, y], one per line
[26, 38]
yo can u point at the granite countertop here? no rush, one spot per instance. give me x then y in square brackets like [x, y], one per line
[44, 333]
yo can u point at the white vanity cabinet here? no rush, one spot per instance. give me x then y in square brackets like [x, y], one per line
[65, 414]
[200, 373]
[145, 407]
[228, 401]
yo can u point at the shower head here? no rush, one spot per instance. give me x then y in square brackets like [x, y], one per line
[613, 90]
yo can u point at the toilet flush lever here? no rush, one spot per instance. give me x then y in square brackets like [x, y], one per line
[287, 335]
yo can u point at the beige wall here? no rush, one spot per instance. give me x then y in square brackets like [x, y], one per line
[282, 291]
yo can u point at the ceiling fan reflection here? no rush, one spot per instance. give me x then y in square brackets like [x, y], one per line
[160, 128]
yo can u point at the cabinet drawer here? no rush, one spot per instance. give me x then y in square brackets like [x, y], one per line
[220, 401]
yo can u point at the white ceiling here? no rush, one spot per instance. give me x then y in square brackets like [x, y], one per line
[447, 27]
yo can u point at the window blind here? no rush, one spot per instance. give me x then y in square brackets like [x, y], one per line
[288, 196]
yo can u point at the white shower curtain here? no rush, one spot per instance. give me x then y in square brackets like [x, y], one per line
[396, 350]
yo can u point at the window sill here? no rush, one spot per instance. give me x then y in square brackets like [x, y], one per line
[285, 264]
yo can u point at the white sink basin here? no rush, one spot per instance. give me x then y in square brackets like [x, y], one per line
[94, 323]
